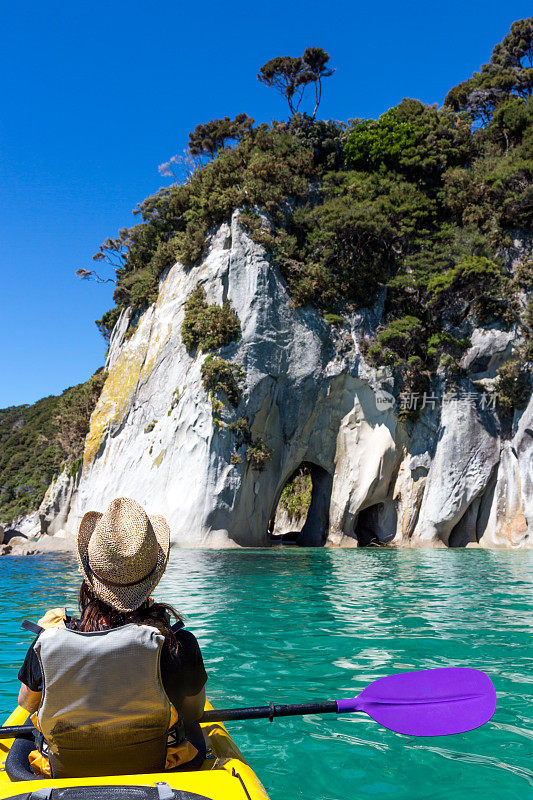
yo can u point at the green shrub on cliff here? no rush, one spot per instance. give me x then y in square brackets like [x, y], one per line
[108, 321]
[296, 495]
[267, 166]
[513, 386]
[208, 326]
[223, 377]
[257, 454]
[408, 344]
[415, 140]
[478, 281]
[508, 74]
[342, 249]
[208, 138]
[445, 344]
[396, 342]
[474, 275]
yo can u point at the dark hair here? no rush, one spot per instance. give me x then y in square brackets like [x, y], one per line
[96, 615]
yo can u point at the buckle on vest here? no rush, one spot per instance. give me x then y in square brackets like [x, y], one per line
[40, 742]
[176, 734]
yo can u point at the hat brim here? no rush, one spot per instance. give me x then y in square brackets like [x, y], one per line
[124, 598]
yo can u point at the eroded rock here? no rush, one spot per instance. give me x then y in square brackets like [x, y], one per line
[312, 399]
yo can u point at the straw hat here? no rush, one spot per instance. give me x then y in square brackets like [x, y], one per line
[123, 552]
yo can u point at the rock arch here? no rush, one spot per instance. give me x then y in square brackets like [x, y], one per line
[314, 531]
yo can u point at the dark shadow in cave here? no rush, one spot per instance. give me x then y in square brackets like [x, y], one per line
[367, 527]
[315, 528]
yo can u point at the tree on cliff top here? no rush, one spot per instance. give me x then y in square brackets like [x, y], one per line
[291, 76]
[509, 73]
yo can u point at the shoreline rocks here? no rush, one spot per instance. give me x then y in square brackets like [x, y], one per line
[20, 546]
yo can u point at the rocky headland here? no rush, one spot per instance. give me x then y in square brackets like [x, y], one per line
[156, 434]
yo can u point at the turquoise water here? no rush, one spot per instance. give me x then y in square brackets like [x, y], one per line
[292, 625]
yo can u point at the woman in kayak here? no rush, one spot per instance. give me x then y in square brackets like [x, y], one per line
[119, 679]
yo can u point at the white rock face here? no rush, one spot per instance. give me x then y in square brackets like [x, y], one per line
[55, 507]
[284, 523]
[27, 527]
[488, 351]
[309, 394]
[41, 531]
[466, 454]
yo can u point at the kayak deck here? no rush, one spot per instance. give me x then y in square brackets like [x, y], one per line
[224, 775]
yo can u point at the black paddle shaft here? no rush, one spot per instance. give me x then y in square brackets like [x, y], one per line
[222, 715]
[269, 712]
[17, 732]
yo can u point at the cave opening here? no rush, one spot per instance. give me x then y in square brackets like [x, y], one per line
[301, 514]
[372, 526]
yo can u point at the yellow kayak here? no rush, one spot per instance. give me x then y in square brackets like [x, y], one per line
[224, 775]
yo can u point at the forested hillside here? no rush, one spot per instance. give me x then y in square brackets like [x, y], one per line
[37, 440]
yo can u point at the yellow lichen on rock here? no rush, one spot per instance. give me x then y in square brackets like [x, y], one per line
[135, 363]
[158, 459]
[114, 400]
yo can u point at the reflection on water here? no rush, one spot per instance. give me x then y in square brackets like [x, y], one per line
[292, 625]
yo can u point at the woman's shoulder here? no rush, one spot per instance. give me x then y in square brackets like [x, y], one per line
[188, 651]
[186, 637]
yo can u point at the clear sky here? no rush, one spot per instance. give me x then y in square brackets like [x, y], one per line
[95, 95]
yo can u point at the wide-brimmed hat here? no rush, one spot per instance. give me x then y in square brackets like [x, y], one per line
[123, 552]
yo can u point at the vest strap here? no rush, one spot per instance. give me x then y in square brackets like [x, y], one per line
[37, 629]
[31, 626]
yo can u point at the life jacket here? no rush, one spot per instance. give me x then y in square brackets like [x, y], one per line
[104, 710]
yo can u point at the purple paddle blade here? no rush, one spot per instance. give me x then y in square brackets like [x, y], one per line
[434, 702]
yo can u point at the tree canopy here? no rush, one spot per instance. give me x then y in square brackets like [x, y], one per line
[209, 138]
[291, 76]
[416, 140]
[508, 73]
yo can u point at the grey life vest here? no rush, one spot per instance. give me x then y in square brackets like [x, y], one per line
[103, 710]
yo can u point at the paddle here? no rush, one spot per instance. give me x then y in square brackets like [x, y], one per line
[434, 702]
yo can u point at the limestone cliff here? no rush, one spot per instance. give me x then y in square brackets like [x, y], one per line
[449, 478]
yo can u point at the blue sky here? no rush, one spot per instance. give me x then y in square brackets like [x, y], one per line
[96, 95]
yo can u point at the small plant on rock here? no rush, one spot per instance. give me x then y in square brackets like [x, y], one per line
[208, 327]
[222, 377]
[176, 396]
[258, 453]
[241, 428]
[513, 386]
[396, 342]
[335, 319]
[75, 468]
